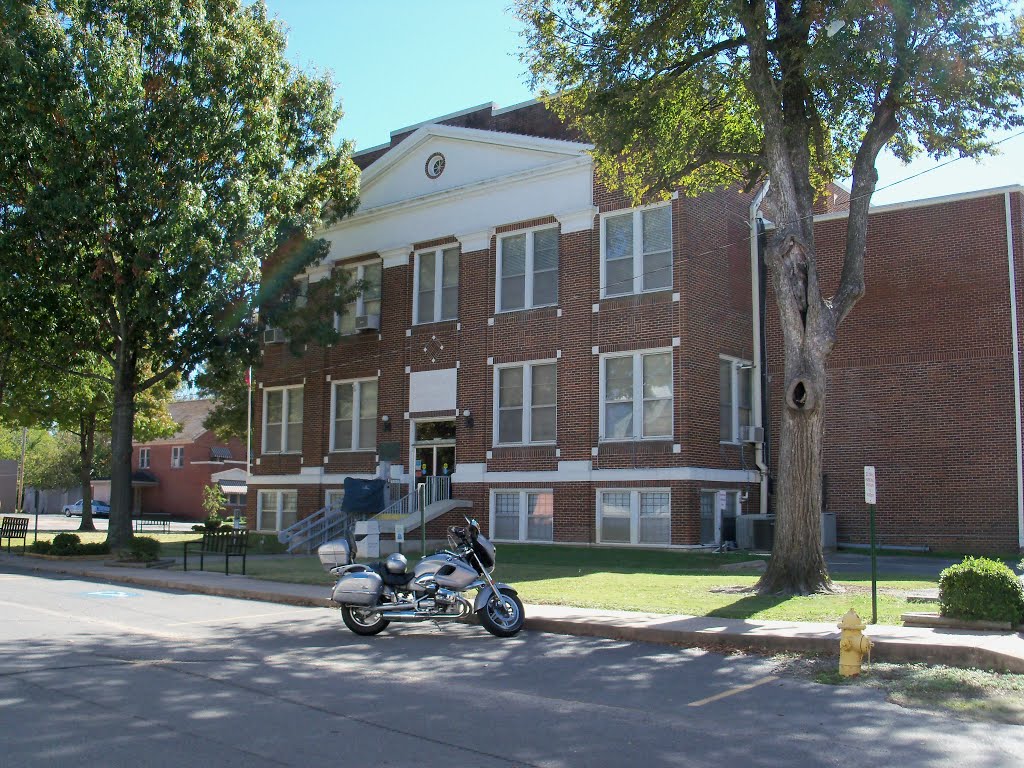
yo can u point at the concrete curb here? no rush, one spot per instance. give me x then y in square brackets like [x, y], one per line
[917, 645]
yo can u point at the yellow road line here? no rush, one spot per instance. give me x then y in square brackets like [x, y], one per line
[732, 691]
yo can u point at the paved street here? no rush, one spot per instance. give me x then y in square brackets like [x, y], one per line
[58, 522]
[99, 675]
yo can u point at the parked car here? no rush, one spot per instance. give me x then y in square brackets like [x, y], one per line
[99, 509]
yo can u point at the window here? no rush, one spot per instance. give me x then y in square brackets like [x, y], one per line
[143, 458]
[634, 517]
[636, 396]
[718, 511]
[523, 515]
[436, 295]
[636, 251]
[527, 270]
[236, 499]
[734, 380]
[282, 420]
[178, 456]
[525, 403]
[276, 510]
[354, 425]
[368, 300]
[334, 498]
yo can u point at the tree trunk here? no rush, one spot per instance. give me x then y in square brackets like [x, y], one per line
[119, 528]
[86, 449]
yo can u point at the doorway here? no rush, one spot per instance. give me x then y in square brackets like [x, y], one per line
[433, 455]
[718, 511]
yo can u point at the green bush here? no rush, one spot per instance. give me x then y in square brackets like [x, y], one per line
[142, 549]
[983, 589]
[40, 547]
[94, 548]
[214, 522]
[65, 544]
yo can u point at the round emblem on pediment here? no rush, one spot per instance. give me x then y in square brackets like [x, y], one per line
[434, 166]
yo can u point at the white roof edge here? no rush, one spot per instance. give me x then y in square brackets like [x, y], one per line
[927, 201]
[449, 116]
[385, 145]
[514, 107]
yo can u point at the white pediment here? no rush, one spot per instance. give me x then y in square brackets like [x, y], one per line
[489, 179]
[470, 157]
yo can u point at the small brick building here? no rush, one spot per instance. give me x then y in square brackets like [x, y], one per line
[584, 371]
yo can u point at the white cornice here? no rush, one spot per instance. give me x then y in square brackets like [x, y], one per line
[577, 221]
[396, 257]
[476, 241]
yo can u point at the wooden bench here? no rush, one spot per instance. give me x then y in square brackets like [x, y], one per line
[14, 528]
[161, 520]
[228, 542]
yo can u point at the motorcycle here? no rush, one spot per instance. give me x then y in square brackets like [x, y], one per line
[372, 596]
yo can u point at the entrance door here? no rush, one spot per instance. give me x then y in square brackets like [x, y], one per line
[718, 520]
[434, 455]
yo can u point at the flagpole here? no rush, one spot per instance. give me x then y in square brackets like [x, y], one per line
[248, 433]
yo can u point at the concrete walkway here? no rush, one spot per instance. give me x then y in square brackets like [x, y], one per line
[1003, 651]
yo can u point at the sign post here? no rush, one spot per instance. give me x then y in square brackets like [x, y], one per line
[399, 536]
[869, 498]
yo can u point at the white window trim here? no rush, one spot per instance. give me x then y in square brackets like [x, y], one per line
[177, 456]
[360, 271]
[638, 252]
[284, 416]
[634, 514]
[523, 513]
[261, 513]
[638, 399]
[718, 512]
[144, 458]
[528, 302]
[438, 277]
[333, 492]
[734, 384]
[357, 396]
[527, 367]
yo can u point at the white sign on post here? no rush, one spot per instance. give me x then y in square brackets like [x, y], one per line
[869, 485]
[399, 534]
[721, 501]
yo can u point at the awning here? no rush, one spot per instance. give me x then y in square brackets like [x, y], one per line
[221, 453]
[233, 486]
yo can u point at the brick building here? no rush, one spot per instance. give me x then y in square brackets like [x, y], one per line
[586, 371]
[169, 474]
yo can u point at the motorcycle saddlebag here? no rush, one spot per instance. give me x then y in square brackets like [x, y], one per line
[358, 588]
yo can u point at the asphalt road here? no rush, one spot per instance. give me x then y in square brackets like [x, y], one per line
[99, 675]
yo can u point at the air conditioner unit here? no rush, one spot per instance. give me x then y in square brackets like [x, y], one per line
[752, 434]
[367, 322]
[273, 336]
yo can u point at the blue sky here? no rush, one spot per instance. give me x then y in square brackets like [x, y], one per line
[401, 62]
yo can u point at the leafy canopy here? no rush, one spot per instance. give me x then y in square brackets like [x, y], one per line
[668, 94]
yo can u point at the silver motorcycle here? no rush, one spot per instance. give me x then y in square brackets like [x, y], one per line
[373, 595]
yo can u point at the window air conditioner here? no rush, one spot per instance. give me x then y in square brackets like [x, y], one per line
[752, 434]
[273, 336]
[367, 322]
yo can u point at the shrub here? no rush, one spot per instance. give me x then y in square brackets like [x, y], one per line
[213, 523]
[142, 549]
[94, 548]
[65, 544]
[40, 547]
[981, 588]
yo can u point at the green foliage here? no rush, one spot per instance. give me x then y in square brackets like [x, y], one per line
[40, 547]
[69, 545]
[51, 458]
[213, 522]
[214, 500]
[65, 544]
[982, 589]
[141, 549]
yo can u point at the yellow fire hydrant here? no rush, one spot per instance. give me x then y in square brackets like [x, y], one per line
[853, 644]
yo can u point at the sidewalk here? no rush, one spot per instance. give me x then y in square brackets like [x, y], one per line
[959, 648]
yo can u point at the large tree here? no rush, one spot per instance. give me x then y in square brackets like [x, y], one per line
[154, 154]
[704, 94]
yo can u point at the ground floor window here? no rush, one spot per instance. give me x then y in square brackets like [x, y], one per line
[523, 515]
[334, 498]
[634, 517]
[276, 510]
[718, 510]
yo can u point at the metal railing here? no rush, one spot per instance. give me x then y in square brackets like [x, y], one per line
[433, 489]
[312, 531]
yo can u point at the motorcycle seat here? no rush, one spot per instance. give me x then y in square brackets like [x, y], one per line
[391, 579]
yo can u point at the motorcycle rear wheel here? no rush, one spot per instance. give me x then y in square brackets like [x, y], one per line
[503, 615]
[363, 622]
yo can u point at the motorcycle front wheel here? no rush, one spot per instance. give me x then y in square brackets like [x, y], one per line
[363, 622]
[503, 615]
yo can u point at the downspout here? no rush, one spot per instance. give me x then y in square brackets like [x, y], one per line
[1016, 372]
[758, 369]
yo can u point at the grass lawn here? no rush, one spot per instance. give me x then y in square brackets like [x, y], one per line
[650, 581]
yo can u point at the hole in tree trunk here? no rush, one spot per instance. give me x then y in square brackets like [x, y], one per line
[801, 397]
[800, 394]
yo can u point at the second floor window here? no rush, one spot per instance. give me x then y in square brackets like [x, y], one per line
[355, 416]
[636, 396]
[437, 286]
[177, 456]
[368, 300]
[527, 270]
[144, 458]
[526, 404]
[636, 251]
[282, 420]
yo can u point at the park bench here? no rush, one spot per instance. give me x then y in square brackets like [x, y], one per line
[14, 528]
[229, 543]
[160, 520]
